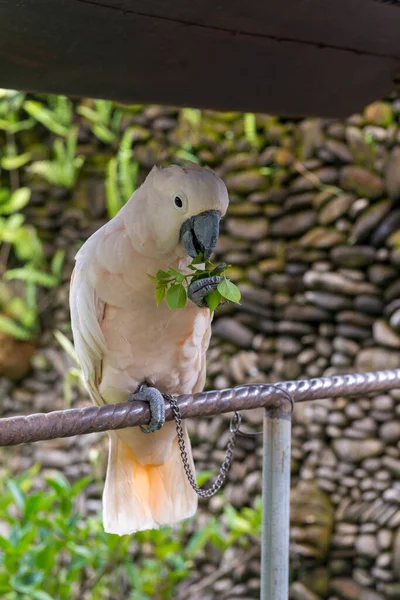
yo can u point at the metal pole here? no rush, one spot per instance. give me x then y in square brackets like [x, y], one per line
[77, 421]
[276, 503]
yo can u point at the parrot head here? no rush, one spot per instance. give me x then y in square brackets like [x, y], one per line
[182, 208]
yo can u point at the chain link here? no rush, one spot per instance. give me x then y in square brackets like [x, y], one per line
[226, 464]
[234, 428]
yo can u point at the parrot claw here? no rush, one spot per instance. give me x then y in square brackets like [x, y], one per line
[199, 289]
[156, 405]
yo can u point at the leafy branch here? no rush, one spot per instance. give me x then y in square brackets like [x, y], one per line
[172, 285]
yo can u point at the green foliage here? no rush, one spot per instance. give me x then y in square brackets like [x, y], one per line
[56, 117]
[74, 375]
[48, 550]
[13, 202]
[103, 118]
[172, 285]
[23, 238]
[19, 317]
[250, 128]
[19, 241]
[121, 177]
[11, 103]
[64, 168]
[229, 290]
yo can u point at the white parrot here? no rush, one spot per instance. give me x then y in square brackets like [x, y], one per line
[129, 348]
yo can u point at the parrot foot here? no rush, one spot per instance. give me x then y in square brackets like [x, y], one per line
[199, 289]
[156, 405]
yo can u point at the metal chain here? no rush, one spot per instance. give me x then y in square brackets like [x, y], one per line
[226, 464]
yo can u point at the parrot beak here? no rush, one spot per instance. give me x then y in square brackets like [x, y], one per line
[200, 233]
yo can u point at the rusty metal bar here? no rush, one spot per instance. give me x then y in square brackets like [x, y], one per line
[77, 421]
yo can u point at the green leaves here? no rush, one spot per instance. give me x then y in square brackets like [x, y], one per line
[176, 296]
[31, 275]
[15, 202]
[160, 293]
[15, 162]
[213, 300]
[11, 328]
[57, 120]
[229, 290]
[64, 168]
[49, 550]
[122, 174]
[172, 285]
[103, 117]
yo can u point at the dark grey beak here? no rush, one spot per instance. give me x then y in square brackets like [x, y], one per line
[200, 233]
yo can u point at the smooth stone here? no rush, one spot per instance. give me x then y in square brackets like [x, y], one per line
[293, 225]
[356, 451]
[367, 546]
[245, 182]
[320, 237]
[390, 431]
[339, 150]
[350, 590]
[353, 257]
[327, 300]
[368, 221]
[335, 208]
[362, 182]
[392, 174]
[383, 334]
[377, 359]
[379, 113]
[334, 282]
[390, 224]
[372, 305]
[251, 229]
[232, 331]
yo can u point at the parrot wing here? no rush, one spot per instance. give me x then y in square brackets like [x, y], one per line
[87, 313]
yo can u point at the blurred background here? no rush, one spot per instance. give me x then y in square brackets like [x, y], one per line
[313, 237]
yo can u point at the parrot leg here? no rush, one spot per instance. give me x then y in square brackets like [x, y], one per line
[156, 405]
[198, 290]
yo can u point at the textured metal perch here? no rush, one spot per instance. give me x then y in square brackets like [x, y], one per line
[64, 423]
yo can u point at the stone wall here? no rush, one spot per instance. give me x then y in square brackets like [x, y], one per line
[313, 236]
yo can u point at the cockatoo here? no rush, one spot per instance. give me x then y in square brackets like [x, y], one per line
[129, 348]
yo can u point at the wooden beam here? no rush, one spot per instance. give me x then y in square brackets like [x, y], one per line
[293, 57]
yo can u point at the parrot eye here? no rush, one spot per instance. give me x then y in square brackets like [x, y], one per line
[180, 203]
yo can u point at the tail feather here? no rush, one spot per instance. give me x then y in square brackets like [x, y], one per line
[138, 497]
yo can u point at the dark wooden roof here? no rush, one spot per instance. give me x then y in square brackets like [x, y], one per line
[288, 57]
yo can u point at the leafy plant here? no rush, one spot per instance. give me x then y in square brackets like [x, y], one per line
[19, 316]
[121, 178]
[186, 153]
[23, 238]
[250, 128]
[57, 116]
[11, 103]
[64, 168]
[103, 117]
[74, 375]
[172, 285]
[49, 550]
[31, 274]
[13, 202]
